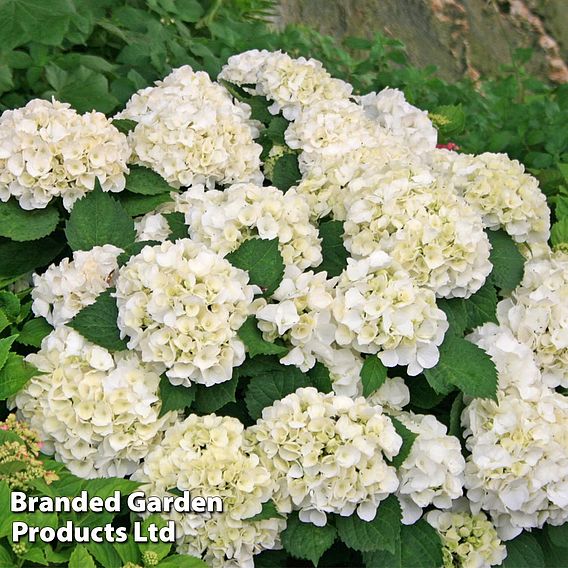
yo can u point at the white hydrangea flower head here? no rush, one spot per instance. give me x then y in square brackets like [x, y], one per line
[517, 467]
[344, 470]
[97, 412]
[537, 314]
[395, 114]
[190, 131]
[180, 304]
[393, 395]
[209, 456]
[48, 150]
[433, 472]
[469, 540]
[293, 84]
[344, 365]
[64, 289]
[379, 309]
[501, 191]
[223, 220]
[152, 227]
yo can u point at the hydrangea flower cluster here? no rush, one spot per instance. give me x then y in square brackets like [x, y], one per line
[48, 150]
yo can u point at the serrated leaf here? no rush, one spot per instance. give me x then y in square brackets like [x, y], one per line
[276, 129]
[98, 219]
[559, 232]
[175, 397]
[379, 534]
[4, 321]
[262, 260]
[97, 323]
[17, 258]
[210, 399]
[320, 378]
[263, 390]
[161, 549]
[524, 551]
[448, 119]
[178, 228]
[80, 558]
[456, 313]
[421, 546]
[181, 561]
[466, 366]
[508, 262]
[128, 551]
[188, 10]
[145, 181]
[5, 345]
[558, 535]
[269, 511]
[124, 125]
[373, 374]
[423, 395]
[14, 375]
[333, 250]
[104, 554]
[305, 540]
[251, 336]
[482, 306]
[455, 416]
[258, 365]
[286, 172]
[10, 304]
[34, 331]
[21, 225]
[7, 468]
[6, 560]
[408, 438]
[136, 205]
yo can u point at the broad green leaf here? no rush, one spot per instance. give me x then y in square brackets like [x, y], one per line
[175, 397]
[124, 125]
[333, 250]
[7, 468]
[508, 262]
[36, 555]
[80, 558]
[188, 10]
[161, 549]
[62, 556]
[146, 181]
[320, 378]
[178, 228]
[448, 119]
[269, 511]
[128, 551]
[305, 540]
[210, 399]
[251, 336]
[87, 90]
[5, 345]
[6, 559]
[373, 375]
[33, 332]
[14, 375]
[10, 304]
[18, 258]
[455, 416]
[558, 535]
[259, 365]
[4, 321]
[286, 172]
[408, 438]
[276, 129]
[97, 323]
[262, 260]
[271, 559]
[423, 395]
[559, 232]
[98, 219]
[379, 534]
[466, 366]
[7, 517]
[21, 225]
[456, 313]
[104, 554]
[181, 561]
[136, 204]
[524, 551]
[264, 390]
[482, 306]
[421, 546]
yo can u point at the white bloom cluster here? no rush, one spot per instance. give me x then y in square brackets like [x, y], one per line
[98, 412]
[469, 540]
[433, 472]
[190, 130]
[48, 150]
[501, 191]
[64, 289]
[222, 220]
[537, 314]
[181, 304]
[152, 227]
[293, 84]
[393, 395]
[209, 456]
[327, 454]
[381, 310]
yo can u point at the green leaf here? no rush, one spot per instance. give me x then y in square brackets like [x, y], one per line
[97, 323]
[34, 331]
[135, 204]
[373, 375]
[145, 181]
[7, 468]
[178, 228]
[558, 535]
[423, 395]
[286, 172]
[188, 10]
[124, 125]
[559, 232]
[482, 306]
[456, 312]
[21, 225]
[98, 219]
[62, 556]
[128, 551]
[379, 534]
[508, 262]
[524, 552]
[320, 378]
[104, 554]
[80, 558]
[269, 511]
[181, 561]
[276, 129]
[448, 119]
[87, 90]
[333, 250]
[466, 366]
[5, 345]
[14, 375]
[455, 416]
[7, 517]
[305, 540]
[264, 389]
[37, 555]
[175, 397]
[408, 438]
[10, 305]
[6, 559]
[4, 321]
[18, 258]
[210, 399]
[161, 549]
[262, 260]
[251, 336]
[421, 546]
